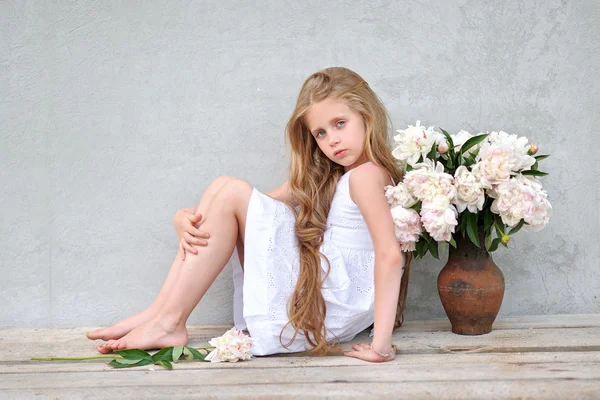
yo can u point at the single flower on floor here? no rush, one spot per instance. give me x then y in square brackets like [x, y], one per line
[233, 346]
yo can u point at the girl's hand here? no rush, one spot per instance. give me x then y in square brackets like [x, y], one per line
[185, 225]
[364, 352]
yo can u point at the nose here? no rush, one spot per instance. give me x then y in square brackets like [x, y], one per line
[333, 139]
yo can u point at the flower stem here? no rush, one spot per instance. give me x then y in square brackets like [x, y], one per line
[74, 358]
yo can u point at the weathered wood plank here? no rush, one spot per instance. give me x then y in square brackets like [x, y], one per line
[451, 373]
[557, 358]
[72, 342]
[497, 390]
[517, 322]
[539, 356]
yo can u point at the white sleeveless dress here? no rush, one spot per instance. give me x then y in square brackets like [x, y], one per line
[271, 264]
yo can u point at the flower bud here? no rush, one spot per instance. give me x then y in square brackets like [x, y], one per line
[532, 149]
[505, 239]
[442, 147]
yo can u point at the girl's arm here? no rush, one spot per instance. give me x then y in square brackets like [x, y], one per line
[367, 184]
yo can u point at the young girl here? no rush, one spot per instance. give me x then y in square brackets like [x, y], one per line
[318, 257]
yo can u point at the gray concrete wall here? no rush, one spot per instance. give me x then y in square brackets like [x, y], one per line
[114, 114]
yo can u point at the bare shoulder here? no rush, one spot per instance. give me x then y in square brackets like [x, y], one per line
[368, 176]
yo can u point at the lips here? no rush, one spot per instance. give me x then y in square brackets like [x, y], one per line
[340, 153]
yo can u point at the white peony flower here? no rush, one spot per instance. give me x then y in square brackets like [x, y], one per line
[469, 190]
[408, 228]
[414, 142]
[521, 158]
[521, 198]
[233, 346]
[429, 183]
[496, 163]
[439, 220]
[399, 196]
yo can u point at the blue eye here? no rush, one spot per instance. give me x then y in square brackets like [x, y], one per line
[340, 123]
[319, 133]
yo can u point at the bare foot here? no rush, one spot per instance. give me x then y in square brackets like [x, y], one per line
[122, 327]
[154, 334]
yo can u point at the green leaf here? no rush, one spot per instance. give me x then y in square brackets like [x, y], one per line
[196, 353]
[448, 138]
[433, 249]
[163, 354]
[431, 154]
[408, 168]
[187, 354]
[165, 363]
[499, 225]
[488, 241]
[124, 364]
[461, 223]
[534, 172]
[487, 220]
[517, 228]
[177, 352]
[419, 249]
[134, 354]
[450, 165]
[494, 245]
[472, 142]
[452, 242]
[542, 157]
[127, 362]
[472, 229]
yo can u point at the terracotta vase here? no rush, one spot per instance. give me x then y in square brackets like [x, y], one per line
[471, 287]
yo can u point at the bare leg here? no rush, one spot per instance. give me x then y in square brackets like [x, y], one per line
[125, 326]
[226, 221]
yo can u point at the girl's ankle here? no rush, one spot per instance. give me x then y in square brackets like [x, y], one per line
[171, 322]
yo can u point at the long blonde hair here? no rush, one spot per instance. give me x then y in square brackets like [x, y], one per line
[313, 179]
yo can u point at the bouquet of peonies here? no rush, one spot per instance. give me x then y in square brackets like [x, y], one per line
[465, 183]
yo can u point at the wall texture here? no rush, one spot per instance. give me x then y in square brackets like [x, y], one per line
[115, 114]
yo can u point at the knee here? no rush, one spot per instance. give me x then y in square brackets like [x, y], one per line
[221, 180]
[235, 189]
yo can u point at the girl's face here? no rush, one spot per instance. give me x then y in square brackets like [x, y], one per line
[339, 132]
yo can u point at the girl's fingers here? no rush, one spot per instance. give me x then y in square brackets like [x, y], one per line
[353, 354]
[188, 247]
[194, 240]
[200, 234]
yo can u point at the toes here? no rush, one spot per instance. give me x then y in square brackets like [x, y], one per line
[116, 345]
[93, 335]
[103, 349]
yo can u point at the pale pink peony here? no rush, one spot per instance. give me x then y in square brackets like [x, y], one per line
[521, 159]
[442, 147]
[521, 198]
[408, 228]
[233, 346]
[429, 183]
[439, 220]
[399, 196]
[469, 190]
[496, 164]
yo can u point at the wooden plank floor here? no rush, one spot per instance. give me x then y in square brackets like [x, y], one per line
[542, 357]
